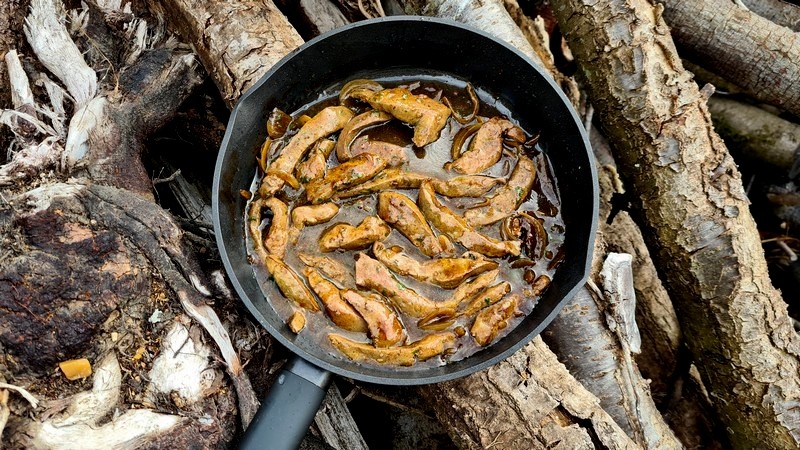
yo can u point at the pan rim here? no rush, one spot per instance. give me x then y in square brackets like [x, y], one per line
[403, 377]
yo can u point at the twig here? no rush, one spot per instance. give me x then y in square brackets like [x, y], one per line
[172, 177]
[785, 248]
[21, 391]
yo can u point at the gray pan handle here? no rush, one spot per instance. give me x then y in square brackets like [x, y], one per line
[285, 415]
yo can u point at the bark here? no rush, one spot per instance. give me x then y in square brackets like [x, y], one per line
[601, 362]
[752, 52]
[695, 216]
[527, 401]
[336, 425]
[237, 42]
[778, 11]
[755, 134]
[655, 314]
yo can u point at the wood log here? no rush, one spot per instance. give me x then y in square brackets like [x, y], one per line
[755, 134]
[527, 401]
[690, 201]
[336, 425]
[655, 314]
[752, 52]
[237, 42]
[779, 11]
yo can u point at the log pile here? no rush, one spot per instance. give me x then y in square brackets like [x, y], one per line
[111, 116]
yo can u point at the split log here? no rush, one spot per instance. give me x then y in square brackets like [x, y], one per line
[336, 425]
[752, 52]
[237, 42]
[779, 11]
[690, 201]
[756, 134]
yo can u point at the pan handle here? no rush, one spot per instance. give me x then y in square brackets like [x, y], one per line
[285, 415]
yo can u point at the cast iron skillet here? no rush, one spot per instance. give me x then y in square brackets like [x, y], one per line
[408, 46]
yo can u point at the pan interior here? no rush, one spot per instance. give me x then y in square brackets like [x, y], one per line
[409, 47]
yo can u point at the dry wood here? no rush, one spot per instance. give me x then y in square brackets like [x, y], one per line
[695, 215]
[336, 425]
[655, 314]
[779, 11]
[755, 133]
[752, 52]
[527, 401]
[237, 42]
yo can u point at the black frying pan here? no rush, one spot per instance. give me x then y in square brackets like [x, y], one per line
[395, 46]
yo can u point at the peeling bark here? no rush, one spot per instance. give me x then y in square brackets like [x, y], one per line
[695, 216]
[752, 52]
[237, 41]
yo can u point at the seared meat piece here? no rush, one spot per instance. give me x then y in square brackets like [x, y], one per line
[340, 312]
[348, 237]
[326, 122]
[425, 114]
[444, 272]
[507, 198]
[458, 230]
[422, 350]
[486, 147]
[401, 212]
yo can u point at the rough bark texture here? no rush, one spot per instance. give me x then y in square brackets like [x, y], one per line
[755, 134]
[754, 53]
[655, 314]
[528, 401]
[602, 363]
[778, 11]
[236, 41]
[695, 215]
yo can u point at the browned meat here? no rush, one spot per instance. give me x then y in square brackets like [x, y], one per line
[507, 198]
[486, 147]
[425, 114]
[359, 169]
[340, 312]
[348, 237]
[426, 348]
[290, 283]
[444, 272]
[401, 212]
[491, 320]
[385, 328]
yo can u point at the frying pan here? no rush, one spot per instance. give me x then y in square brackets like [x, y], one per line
[399, 45]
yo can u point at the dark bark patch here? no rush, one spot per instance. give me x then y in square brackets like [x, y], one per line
[54, 297]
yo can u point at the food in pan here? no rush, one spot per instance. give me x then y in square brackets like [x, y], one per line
[403, 223]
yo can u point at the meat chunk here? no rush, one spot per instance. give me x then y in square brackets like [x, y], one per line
[490, 321]
[303, 216]
[359, 169]
[422, 350]
[339, 311]
[388, 179]
[400, 212]
[425, 114]
[458, 230]
[326, 122]
[290, 283]
[373, 275]
[384, 327]
[486, 147]
[348, 237]
[444, 272]
[395, 155]
[487, 297]
[316, 164]
[332, 268]
[507, 198]
[278, 233]
[466, 185]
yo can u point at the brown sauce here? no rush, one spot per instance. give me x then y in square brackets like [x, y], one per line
[543, 203]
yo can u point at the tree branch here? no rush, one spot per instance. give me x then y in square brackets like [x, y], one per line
[752, 52]
[694, 214]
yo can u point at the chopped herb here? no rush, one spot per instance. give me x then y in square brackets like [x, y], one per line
[487, 301]
[520, 192]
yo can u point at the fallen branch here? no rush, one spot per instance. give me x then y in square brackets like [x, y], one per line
[756, 134]
[237, 42]
[752, 52]
[779, 11]
[695, 215]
